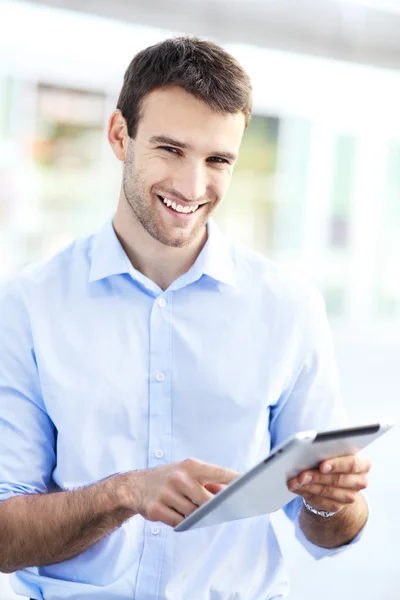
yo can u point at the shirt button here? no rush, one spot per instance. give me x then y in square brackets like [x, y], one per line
[155, 530]
[162, 302]
[159, 453]
[160, 376]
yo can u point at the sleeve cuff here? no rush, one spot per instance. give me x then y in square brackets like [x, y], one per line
[8, 491]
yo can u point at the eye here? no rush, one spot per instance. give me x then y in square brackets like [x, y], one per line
[218, 160]
[170, 149]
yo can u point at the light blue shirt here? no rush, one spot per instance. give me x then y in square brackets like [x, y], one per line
[102, 372]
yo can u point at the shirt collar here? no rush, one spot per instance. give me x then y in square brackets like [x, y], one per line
[215, 260]
[107, 255]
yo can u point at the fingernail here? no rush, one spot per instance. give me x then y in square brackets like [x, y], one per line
[307, 479]
[326, 468]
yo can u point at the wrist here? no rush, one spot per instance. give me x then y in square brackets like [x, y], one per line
[119, 489]
[325, 514]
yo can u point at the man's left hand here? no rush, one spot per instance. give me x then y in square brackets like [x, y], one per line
[335, 484]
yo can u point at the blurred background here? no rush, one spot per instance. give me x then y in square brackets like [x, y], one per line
[317, 185]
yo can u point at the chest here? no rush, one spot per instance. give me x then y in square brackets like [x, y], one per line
[197, 370]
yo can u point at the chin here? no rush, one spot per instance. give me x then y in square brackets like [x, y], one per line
[177, 242]
[177, 238]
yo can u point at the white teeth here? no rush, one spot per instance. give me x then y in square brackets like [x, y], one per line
[179, 207]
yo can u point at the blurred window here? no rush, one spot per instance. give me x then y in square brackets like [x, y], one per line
[387, 280]
[337, 278]
[342, 191]
[248, 212]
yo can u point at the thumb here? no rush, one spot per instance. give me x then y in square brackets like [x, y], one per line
[214, 488]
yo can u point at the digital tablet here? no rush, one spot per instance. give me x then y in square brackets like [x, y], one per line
[263, 489]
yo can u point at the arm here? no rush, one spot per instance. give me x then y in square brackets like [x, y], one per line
[37, 530]
[312, 400]
[43, 529]
[338, 530]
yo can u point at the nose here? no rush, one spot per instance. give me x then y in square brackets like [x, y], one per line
[191, 182]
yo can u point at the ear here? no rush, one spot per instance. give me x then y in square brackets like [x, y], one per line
[118, 135]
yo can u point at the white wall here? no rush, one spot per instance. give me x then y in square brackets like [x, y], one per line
[371, 387]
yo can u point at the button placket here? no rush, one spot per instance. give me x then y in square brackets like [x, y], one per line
[159, 434]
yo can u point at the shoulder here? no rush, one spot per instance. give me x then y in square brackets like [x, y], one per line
[288, 288]
[44, 277]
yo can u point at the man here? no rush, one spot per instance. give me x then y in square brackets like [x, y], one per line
[145, 367]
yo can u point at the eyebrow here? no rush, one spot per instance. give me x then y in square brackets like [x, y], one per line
[163, 139]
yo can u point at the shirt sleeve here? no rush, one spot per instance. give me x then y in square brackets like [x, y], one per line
[312, 398]
[27, 434]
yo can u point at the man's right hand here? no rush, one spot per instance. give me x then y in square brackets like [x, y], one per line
[79, 518]
[171, 492]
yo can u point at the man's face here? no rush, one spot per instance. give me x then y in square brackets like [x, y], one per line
[179, 165]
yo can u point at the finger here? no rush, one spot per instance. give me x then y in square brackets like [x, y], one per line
[208, 473]
[355, 463]
[195, 492]
[185, 484]
[340, 480]
[180, 504]
[169, 516]
[214, 488]
[218, 475]
[303, 478]
[341, 495]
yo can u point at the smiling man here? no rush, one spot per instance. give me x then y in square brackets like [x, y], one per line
[144, 367]
[178, 165]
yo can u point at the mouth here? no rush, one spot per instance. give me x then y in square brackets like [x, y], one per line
[180, 210]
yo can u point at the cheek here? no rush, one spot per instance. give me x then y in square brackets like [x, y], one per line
[157, 171]
[220, 183]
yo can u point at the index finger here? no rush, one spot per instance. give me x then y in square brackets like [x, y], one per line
[352, 463]
[219, 475]
[209, 473]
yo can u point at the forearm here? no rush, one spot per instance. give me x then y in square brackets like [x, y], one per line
[43, 529]
[338, 530]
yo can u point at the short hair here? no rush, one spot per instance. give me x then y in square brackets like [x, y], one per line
[200, 67]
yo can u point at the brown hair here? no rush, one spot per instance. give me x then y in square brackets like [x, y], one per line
[201, 68]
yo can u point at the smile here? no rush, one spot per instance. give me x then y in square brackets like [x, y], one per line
[179, 208]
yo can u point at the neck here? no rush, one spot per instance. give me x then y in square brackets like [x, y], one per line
[160, 263]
